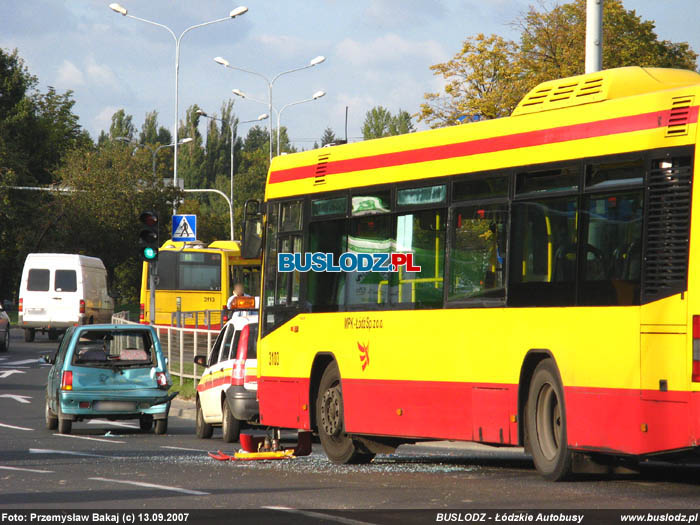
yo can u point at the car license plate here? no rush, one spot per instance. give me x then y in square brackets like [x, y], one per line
[35, 310]
[115, 406]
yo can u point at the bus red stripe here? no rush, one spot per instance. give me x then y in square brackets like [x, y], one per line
[483, 412]
[600, 128]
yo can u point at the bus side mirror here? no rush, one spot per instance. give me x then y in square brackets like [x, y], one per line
[252, 230]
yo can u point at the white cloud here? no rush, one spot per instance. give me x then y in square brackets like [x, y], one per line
[69, 76]
[390, 48]
[99, 73]
[104, 118]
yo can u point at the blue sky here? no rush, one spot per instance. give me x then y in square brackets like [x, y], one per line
[378, 52]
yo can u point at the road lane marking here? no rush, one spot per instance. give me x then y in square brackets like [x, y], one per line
[114, 423]
[65, 452]
[23, 362]
[13, 426]
[183, 448]
[319, 515]
[90, 438]
[153, 486]
[17, 397]
[7, 373]
[27, 470]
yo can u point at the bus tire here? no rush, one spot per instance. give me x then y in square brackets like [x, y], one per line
[546, 423]
[230, 426]
[339, 447]
[145, 422]
[202, 429]
[29, 334]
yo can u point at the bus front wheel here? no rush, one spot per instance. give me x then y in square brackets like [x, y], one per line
[338, 446]
[546, 423]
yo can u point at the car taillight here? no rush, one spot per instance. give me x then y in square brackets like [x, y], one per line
[142, 313]
[241, 356]
[696, 348]
[21, 304]
[67, 380]
[161, 379]
[82, 306]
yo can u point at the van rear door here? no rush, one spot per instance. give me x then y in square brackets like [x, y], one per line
[35, 297]
[65, 295]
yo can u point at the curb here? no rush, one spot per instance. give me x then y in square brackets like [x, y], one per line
[182, 408]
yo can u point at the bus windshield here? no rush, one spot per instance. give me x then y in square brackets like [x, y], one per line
[189, 271]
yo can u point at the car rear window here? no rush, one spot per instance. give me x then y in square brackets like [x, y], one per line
[38, 280]
[253, 341]
[114, 348]
[65, 281]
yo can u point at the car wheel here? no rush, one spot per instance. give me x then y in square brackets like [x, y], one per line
[5, 342]
[53, 335]
[230, 427]
[546, 423]
[161, 426]
[203, 429]
[64, 425]
[146, 422]
[338, 446]
[29, 334]
[51, 419]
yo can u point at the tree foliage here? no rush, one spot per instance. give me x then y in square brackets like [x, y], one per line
[328, 136]
[379, 122]
[489, 75]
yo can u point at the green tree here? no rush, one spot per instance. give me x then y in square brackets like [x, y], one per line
[112, 187]
[152, 133]
[191, 155]
[490, 75]
[328, 136]
[36, 131]
[377, 123]
[401, 123]
[122, 126]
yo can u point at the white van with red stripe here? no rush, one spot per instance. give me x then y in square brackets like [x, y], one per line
[227, 391]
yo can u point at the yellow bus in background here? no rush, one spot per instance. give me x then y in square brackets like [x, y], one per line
[200, 276]
[557, 306]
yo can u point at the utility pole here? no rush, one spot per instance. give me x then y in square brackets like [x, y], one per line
[594, 36]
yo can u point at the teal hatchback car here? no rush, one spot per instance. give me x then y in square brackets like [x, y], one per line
[109, 372]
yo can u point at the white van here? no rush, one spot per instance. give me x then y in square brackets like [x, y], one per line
[59, 290]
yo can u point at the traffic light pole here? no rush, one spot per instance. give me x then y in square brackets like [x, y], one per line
[152, 272]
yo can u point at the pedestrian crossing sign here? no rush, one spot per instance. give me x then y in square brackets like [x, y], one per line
[184, 228]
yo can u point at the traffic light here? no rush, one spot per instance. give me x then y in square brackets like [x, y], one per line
[148, 237]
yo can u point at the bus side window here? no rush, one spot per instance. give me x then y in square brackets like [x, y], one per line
[543, 254]
[478, 256]
[611, 270]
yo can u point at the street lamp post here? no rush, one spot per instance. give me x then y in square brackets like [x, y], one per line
[117, 8]
[154, 153]
[270, 82]
[315, 96]
[232, 126]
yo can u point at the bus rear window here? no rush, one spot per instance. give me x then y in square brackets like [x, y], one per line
[65, 281]
[189, 271]
[38, 280]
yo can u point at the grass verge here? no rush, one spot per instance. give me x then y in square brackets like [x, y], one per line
[187, 389]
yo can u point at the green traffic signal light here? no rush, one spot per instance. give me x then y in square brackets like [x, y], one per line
[148, 236]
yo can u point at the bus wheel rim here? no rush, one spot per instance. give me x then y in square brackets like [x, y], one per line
[330, 412]
[548, 421]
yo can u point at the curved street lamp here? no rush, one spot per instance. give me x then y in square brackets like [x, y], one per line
[270, 82]
[232, 126]
[238, 11]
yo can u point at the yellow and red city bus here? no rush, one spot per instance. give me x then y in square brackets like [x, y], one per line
[554, 308]
[200, 276]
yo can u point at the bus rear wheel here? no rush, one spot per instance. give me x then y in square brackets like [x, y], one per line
[546, 423]
[338, 446]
